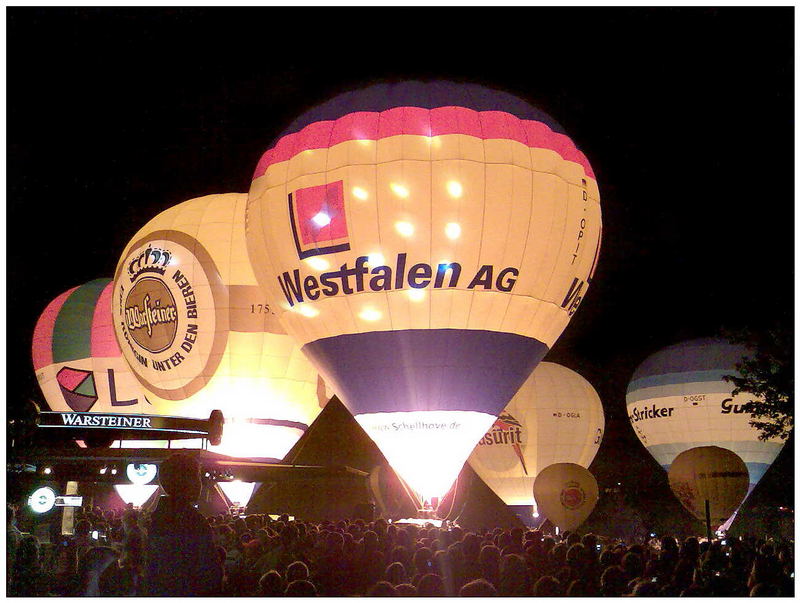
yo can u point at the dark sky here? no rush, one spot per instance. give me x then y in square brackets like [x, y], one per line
[686, 114]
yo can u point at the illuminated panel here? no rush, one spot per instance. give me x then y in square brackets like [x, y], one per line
[237, 492]
[42, 500]
[135, 494]
[141, 473]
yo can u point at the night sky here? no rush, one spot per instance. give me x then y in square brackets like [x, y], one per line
[685, 114]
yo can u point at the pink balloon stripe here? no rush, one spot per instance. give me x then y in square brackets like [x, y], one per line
[43, 332]
[367, 125]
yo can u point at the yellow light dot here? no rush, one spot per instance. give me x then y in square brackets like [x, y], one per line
[406, 229]
[370, 314]
[318, 263]
[452, 230]
[360, 193]
[308, 311]
[455, 189]
[376, 259]
[416, 294]
[399, 190]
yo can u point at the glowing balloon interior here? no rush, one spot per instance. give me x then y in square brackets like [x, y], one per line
[713, 474]
[425, 243]
[199, 335]
[677, 400]
[77, 361]
[555, 417]
[566, 493]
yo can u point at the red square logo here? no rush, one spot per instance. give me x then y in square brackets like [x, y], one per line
[319, 223]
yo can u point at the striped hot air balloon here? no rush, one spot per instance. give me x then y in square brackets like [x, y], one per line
[425, 243]
[678, 400]
[77, 361]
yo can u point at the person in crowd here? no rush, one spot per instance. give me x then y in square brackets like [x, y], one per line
[430, 585]
[301, 588]
[181, 558]
[382, 589]
[271, 584]
[478, 588]
[28, 579]
[13, 536]
[91, 566]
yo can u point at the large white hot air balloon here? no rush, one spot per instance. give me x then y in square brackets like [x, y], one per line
[555, 417]
[677, 400]
[199, 335]
[425, 244]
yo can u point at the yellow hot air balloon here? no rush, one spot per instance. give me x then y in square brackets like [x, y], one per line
[713, 474]
[555, 417]
[199, 335]
[566, 493]
[425, 243]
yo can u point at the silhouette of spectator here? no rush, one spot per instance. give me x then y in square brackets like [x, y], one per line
[430, 585]
[514, 580]
[489, 559]
[478, 588]
[301, 588]
[297, 570]
[405, 590]
[382, 589]
[181, 558]
[91, 567]
[271, 584]
[27, 577]
[396, 573]
[547, 586]
[13, 536]
[613, 582]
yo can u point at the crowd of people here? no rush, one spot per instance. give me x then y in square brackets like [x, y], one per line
[175, 551]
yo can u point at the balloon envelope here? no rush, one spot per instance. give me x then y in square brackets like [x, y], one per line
[199, 335]
[77, 361]
[566, 493]
[677, 400]
[555, 417]
[709, 473]
[425, 244]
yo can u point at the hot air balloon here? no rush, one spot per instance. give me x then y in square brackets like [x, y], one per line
[199, 335]
[566, 493]
[76, 357]
[713, 474]
[555, 417]
[425, 243]
[677, 400]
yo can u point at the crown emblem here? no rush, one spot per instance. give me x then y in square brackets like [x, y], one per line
[152, 259]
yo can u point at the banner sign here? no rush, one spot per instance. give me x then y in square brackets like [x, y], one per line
[165, 426]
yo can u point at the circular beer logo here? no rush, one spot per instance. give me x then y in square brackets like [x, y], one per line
[151, 315]
[170, 313]
[572, 496]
